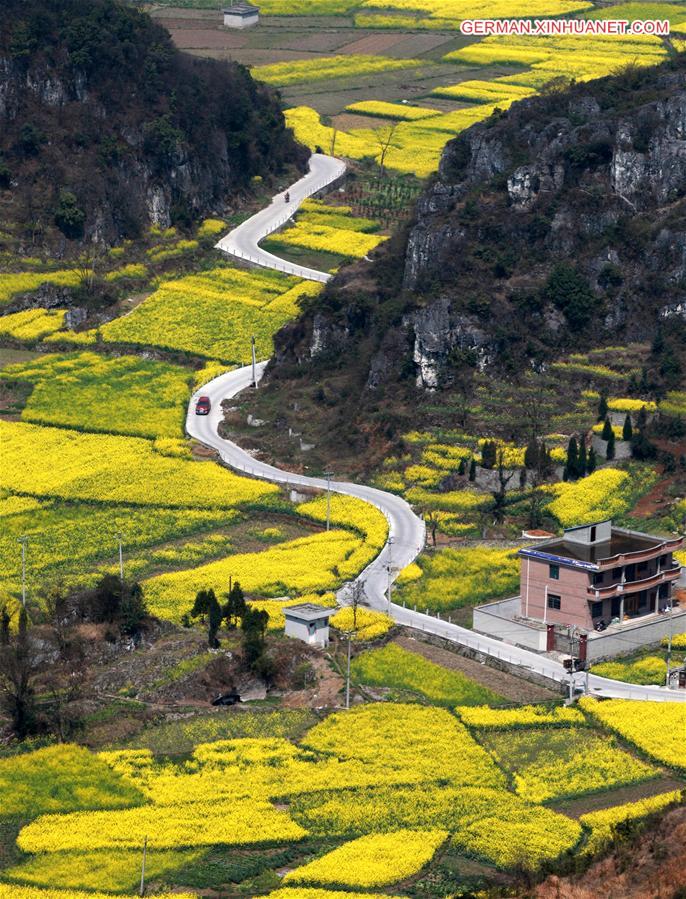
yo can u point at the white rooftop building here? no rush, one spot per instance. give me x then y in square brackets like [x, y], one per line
[241, 15]
[308, 622]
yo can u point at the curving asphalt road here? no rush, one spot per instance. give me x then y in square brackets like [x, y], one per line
[243, 241]
[407, 532]
[406, 529]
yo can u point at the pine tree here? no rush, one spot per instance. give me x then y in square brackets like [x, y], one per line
[583, 460]
[607, 428]
[235, 605]
[472, 469]
[610, 451]
[602, 407]
[572, 459]
[591, 462]
[627, 430]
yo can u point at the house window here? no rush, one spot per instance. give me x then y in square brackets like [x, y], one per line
[554, 572]
[598, 579]
[593, 535]
[554, 601]
[616, 575]
[596, 610]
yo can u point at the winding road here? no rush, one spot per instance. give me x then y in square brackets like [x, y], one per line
[406, 531]
[243, 241]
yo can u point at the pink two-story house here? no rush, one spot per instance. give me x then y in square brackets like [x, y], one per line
[597, 573]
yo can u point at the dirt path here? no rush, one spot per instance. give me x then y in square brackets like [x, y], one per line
[507, 685]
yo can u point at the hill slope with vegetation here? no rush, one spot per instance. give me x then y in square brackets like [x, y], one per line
[107, 128]
[555, 227]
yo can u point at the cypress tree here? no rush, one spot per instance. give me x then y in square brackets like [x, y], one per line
[607, 428]
[627, 430]
[602, 407]
[215, 615]
[642, 419]
[532, 454]
[591, 462]
[583, 460]
[572, 459]
[610, 451]
[472, 469]
[462, 467]
[488, 454]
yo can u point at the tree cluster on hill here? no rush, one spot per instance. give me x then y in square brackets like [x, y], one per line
[42, 654]
[235, 610]
[106, 128]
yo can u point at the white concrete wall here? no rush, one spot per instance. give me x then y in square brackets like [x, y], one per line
[613, 643]
[300, 630]
[497, 620]
[240, 22]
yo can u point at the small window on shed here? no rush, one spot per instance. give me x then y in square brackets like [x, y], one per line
[554, 572]
[593, 534]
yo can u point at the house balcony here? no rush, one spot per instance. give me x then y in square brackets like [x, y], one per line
[622, 589]
[643, 555]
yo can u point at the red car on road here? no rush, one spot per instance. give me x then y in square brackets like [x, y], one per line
[203, 406]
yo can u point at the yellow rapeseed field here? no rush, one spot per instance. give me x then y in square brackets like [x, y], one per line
[374, 860]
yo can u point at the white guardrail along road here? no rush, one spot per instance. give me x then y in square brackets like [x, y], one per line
[407, 533]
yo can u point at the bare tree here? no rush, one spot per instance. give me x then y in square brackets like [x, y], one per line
[499, 495]
[18, 669]
[357, 597]
[384, 138]
[432, 521]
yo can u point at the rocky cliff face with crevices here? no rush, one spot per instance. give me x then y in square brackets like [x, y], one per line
[98, 106]
[559, 223]
[551, 228]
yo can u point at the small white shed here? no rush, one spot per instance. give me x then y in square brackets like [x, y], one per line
[308, 622]
[241, 15]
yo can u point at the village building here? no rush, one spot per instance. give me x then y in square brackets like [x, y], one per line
[241, 15]
[308, 622]
[597, 581]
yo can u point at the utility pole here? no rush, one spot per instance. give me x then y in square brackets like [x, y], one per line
[347, 675]
[120, 537]
[669, 644]
[328, 475]
[390, 569]
[571, 662]
[24, 541]
[254, 363]
[145, 852]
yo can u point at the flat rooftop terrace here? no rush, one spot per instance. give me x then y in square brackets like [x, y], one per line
[620, 543]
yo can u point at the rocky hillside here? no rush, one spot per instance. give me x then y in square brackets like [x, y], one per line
[106, 128]
[556, 226]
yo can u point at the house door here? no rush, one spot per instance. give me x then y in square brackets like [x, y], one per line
[616, 606]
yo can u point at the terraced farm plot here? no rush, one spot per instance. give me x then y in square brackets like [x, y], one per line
[299, 566]
[213, 314]
[400, 111]
[284, 74]
[107, 469]
[548, 764]
[393, 666]
[457, 577]
[70, 539]
[124, 395]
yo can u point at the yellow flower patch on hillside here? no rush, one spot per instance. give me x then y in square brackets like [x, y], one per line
[374, 860]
